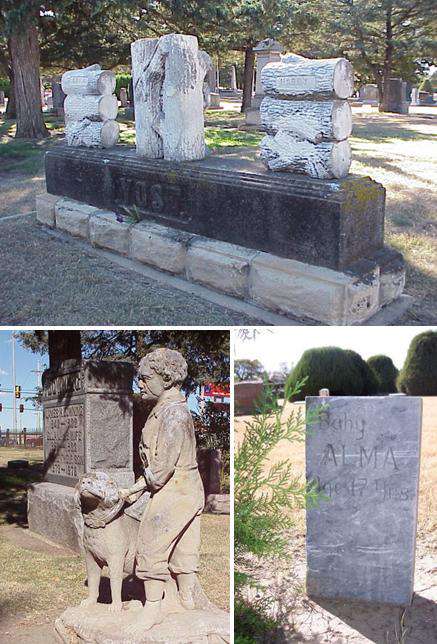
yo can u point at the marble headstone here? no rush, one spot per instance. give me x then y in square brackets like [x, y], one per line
[364, 454]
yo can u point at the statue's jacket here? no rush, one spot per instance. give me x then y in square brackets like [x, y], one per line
[168, 453]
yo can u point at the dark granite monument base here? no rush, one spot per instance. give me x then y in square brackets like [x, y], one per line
[329, 223]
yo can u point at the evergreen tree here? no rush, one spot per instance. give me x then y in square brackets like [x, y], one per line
[418, 376]
[248, 370]
[385, 373]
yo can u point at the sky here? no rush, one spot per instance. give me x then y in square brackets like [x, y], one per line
[286, 344]
[25, 363]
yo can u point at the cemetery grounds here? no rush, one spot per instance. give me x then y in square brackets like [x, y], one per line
[39, 579]
[300, 619]
[393, 149]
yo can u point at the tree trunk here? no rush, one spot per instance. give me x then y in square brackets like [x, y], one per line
[24, 48]
[249, 64]
[388, 61]
[11, 112]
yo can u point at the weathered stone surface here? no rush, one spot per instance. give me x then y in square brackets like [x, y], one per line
[332, 297]
[299, 77]
[105, 231]
[218, 504]
[88, 421]
[92, 134]
[364, 455]
[53, 513]
[98, 626]
[45, 209]
[88, 81]
[327, 223]
[223, 267]
[168, 75]
[73, 217]
[159, 246]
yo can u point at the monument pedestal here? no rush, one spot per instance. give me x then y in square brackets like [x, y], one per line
[53, 513]
[97, 625]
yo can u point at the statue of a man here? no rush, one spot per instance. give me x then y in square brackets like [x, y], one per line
[169, 533]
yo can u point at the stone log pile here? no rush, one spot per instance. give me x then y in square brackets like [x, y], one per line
[90, 107]
[307, 116]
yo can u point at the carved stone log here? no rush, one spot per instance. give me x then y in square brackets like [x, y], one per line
[327, 160]
[327, 78]
[168, 78]
[90, 80]
[315, 121]
[92, 134]
[94, 108]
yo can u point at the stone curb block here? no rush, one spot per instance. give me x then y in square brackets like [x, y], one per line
[73, 217]
[219, 265]
[291, 287]
[45, 209]
[106, 232]
[159, 246]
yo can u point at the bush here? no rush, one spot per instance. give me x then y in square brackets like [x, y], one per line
[341, 371]
[418, 376]
[122, 80]
[385, 372]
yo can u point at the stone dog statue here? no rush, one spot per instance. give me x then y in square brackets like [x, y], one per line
[110, 535]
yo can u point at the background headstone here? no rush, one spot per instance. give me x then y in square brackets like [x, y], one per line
[266, 51]
[247, 395]
[364, 454]
[123, 97]
[58, 98]
[2, 97]
[397, 96]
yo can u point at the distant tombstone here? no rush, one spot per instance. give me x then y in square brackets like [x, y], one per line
[267, 51]
[58, 98]
[247, 396]
[397, 96]
[87, 420]
[363, 453]
[233, 79]
[2, 98]
[369, 94]
[123, 97]
[415, 96]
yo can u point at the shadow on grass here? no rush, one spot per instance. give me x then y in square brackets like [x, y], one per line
[13, 492]
[388, 132]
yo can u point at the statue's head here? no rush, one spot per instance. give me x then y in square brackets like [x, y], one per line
[159, 370]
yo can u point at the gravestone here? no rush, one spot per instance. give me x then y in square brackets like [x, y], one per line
[90, 107]
[87, 412]
[58, 98]
[363, 453]
[267, 51]
[2, 98]
[369, 94]
[397, 96]
[247, 396]
[233, 79]
[123, 97]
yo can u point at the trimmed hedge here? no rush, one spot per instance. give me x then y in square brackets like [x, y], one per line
[342, 371]
[418, 376]
[385, 372]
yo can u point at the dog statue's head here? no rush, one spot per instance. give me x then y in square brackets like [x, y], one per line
[97, 496]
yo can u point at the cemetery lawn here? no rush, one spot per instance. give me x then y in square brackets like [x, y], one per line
[396, 150]
[39, 579]
[303, 619]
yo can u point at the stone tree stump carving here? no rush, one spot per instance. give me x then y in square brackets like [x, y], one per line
[90, 107]
[307, 116]
[168, 75]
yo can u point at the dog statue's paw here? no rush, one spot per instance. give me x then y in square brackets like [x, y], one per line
[89, 601]
[115, 607]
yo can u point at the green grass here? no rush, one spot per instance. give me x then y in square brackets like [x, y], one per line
[22, 155]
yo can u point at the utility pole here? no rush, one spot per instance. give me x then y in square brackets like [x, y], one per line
[38, 372]
[14, 406]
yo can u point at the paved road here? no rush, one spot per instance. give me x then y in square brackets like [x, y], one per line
[47, 281]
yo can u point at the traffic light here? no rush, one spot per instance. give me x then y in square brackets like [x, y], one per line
[17, 391]
[21, 409]
[1, 406]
